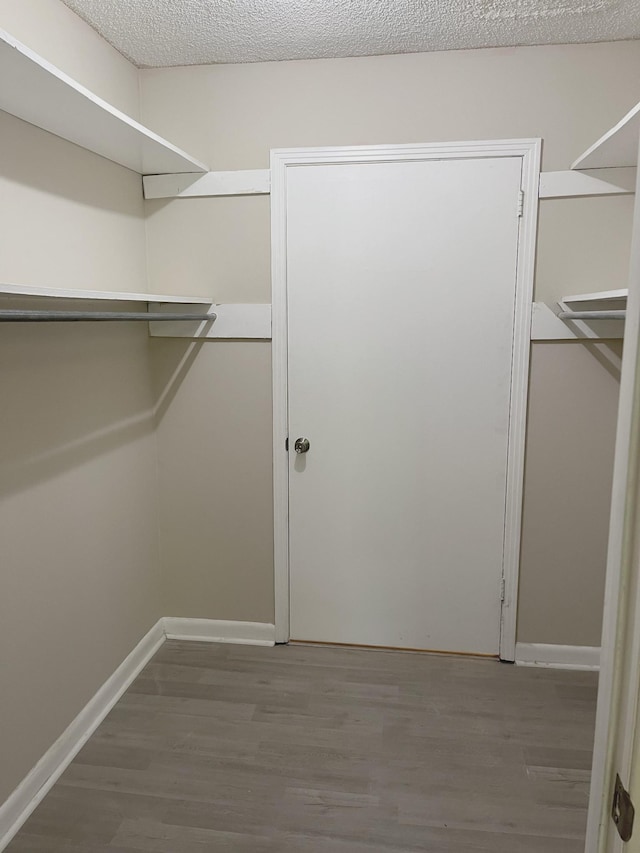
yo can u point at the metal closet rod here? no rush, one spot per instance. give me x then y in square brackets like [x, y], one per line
[91, 316]
[592, 315]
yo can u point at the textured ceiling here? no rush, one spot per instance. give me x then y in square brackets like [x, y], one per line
[154, 33]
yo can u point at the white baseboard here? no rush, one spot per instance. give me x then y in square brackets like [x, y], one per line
[29, 793]
[39, 781]
[219, 631]
[558, 657]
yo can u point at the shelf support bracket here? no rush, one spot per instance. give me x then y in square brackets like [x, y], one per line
[246, 182]
[594, 182]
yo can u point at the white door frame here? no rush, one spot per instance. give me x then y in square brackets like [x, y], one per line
[620, 651]
[282, 160]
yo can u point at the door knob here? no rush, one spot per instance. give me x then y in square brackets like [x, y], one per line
[302, 445]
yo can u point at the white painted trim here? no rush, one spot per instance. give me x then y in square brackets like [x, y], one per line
[547, 326]
[558, 657]
[570, 184]
[39, 781]
[233, 322]
[529, 150]
[219, 631]
[245, 182]
[280, 393]
[389, 153]
[614, 716]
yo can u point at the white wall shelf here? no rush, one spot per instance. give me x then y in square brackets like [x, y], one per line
[232, 321]
[546, 325]
[39, 93]
[576, 183]
[246, 182]
[30, 291]
[617, 148]
[600, 301]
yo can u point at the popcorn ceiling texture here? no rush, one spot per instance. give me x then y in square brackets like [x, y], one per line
[156, 33]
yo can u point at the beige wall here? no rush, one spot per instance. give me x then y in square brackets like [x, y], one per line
[214, 439]
[583, 245]
[68, 218]
[231, 116]
[57, 34]
[78, 525]
[569, 470]
[78, 519]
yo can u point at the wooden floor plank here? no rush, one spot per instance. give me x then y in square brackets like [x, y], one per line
[296, 749]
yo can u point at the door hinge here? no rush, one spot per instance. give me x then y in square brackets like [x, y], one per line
[520, 202]
[502, 589]
[286, 444]
[622, 810]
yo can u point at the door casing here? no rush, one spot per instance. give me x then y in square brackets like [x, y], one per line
[619, 679]
[282, 160]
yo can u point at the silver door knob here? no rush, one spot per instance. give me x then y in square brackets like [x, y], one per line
[302, 445]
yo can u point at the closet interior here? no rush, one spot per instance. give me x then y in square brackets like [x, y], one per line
[157, 496]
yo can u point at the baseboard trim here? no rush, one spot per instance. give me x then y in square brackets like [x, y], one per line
[558, 657]
[220, 631]
[38, 782]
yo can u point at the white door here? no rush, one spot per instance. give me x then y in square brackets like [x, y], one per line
[401, 280]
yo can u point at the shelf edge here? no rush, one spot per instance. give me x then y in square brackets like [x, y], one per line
[46, 292]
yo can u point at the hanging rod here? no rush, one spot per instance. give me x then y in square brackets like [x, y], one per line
[82, 316]
[592, 315]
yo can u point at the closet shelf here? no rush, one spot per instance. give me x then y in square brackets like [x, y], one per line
[617, 296]
[39, 93]
[618, 147]
[603, 305]
[582, 316]
[232, 321]
[31, 291]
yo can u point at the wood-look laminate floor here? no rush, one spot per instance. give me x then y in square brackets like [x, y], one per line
[239, 749]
